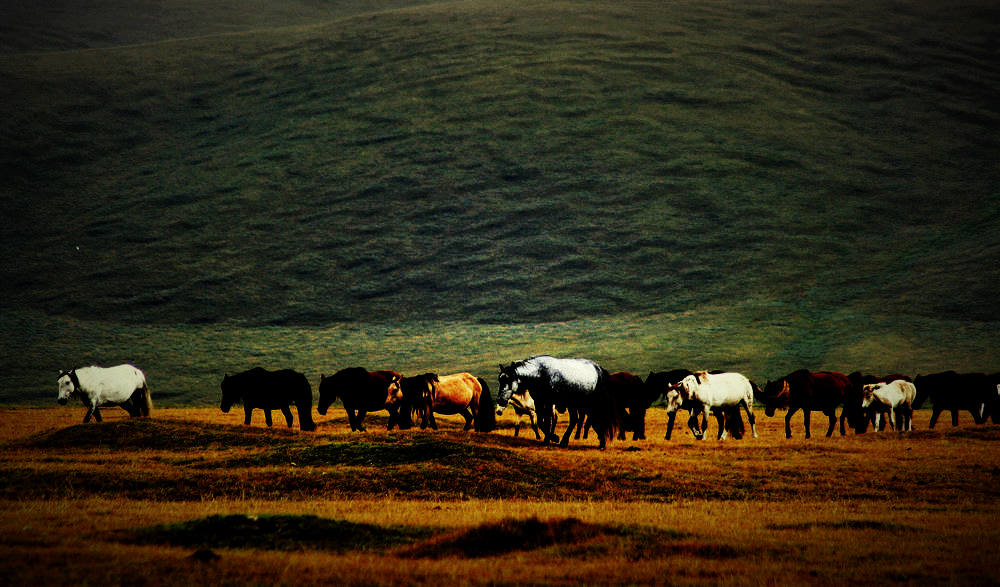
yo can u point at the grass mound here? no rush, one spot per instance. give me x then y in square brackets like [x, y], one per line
[403, 451]
[572, 536]
[991, 432]
[150, 433]
[277, 532]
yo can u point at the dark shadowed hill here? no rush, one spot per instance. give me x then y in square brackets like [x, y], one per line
[515, 162]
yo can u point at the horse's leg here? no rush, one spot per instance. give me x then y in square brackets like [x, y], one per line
[720, 418]
[91, 410]
[361, 419]
[693, 423]
[267, 417]
[892, 418]
[832, 415]
[287, 412]
[788, 421]
[934, 417]
[954, 418]
[247, 410]
[574, 418]
[806, 414]
[750, 418]
[531, 420]
[431, 420]
[469, 419]
[670, 424]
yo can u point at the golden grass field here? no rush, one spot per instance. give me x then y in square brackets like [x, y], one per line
[877, 508]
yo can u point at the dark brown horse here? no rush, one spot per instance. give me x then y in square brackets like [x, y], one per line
[954, 392]
[822, 391]
[361, 391]
[632, 398]
[259, 388]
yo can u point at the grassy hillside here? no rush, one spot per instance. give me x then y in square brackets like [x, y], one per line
[808, 183]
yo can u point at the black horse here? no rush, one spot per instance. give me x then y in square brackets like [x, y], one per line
[361, 391]
[270, 390]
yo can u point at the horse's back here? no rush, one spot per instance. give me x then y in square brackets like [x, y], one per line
[116, 383]
[455, 391]
[576, 372]
[829, 388]
[728, 387]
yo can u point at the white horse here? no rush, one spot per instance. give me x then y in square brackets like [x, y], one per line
[895, 397]
[715, 392]
[577, 385]
[123, 385]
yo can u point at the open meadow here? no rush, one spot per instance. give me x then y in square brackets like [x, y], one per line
[192, 496]
[199, 187]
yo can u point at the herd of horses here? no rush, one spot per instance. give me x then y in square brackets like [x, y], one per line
[544, 387]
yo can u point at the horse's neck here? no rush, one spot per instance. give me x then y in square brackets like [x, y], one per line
[75, 380]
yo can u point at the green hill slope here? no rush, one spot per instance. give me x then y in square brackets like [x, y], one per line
[518, 163]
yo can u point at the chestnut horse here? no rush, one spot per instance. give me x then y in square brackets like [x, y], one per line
[460, 393]
[804, 390]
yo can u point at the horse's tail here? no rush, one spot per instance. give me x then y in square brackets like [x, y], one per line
[145, 404]
[303, 405]
[755, 393]
[604, 409]
[486, 414]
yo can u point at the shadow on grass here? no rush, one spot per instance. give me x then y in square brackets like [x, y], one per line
[566, 538]
[153, 434]
[277, 532]
[569, 537]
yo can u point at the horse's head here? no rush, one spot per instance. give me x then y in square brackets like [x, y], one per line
[776, 394]
[327, 394]
[230, 393]
[868, 393]
[674, 398]
[66, 387]
[394, 393]
[688, 387]
[509, 383]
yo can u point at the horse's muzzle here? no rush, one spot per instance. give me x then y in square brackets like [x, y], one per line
[62, 401]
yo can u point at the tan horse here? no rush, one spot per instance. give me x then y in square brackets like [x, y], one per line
[460, 393]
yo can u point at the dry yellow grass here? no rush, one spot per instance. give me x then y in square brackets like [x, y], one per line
[883, 508]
